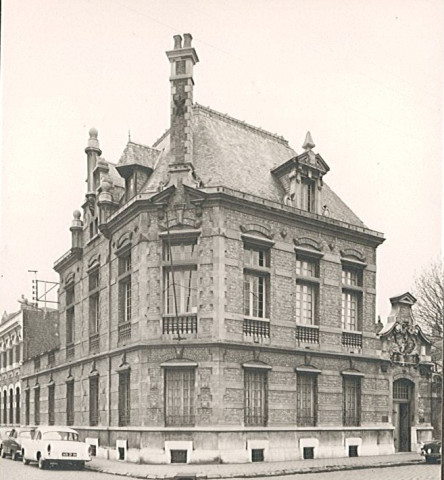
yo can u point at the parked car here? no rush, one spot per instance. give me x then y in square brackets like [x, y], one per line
[4, 433]
[12, 445]
[432, 451]
[58, 445]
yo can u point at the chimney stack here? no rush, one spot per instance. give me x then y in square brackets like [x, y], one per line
[182, 59]
[93, 152]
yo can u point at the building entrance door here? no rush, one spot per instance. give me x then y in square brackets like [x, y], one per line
[402, 408]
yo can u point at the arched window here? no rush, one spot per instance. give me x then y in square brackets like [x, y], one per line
[11, 405]
[17, 405]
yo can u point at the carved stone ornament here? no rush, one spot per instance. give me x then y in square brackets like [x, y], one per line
[404, 343]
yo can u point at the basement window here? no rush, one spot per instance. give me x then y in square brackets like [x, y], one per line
[353, 451]
[308, 453]
[257, 455]
[178, 456]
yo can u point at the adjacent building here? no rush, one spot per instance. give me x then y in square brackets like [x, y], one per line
[29, 334]
[218, 304]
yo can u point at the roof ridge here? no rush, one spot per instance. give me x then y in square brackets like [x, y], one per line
[142, 145]
[164, 134]
[230, 119]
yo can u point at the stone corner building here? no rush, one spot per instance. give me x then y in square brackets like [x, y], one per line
[218, 304]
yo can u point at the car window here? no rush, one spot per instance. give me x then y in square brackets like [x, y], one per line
[25, 434]
[60, 435]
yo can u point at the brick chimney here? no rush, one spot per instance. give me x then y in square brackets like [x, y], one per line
[182, 59]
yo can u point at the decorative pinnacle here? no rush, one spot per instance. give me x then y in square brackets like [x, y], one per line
[308, 144]
[93, 142]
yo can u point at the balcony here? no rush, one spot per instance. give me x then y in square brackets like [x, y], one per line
[307, 334]
[256, 328]
[352, 339]
[124, 332]
[94, 342]
[182, 324]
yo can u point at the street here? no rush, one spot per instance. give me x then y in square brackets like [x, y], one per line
[17, 471]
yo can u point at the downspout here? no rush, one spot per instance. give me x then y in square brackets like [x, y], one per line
[109, 340]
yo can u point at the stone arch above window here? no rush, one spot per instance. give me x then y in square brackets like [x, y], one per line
[256, 230]
[94, 262]
[352, 254]
[69, 279]
[179, 363]
[124, 242]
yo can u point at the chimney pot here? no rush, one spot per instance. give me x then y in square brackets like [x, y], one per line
[187, 37]
[177, 42]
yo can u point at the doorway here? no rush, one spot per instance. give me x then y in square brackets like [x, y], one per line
[402, 414]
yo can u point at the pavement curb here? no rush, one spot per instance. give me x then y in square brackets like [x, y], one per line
[292, 471]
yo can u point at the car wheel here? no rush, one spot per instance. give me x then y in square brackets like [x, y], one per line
[3, 453]
[42, 463]
[15, 456]
[25, 462]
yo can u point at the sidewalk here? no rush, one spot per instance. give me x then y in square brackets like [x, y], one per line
[249, 470]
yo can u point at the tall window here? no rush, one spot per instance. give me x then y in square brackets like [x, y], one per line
[351, 400]
[11, 405]
[125, 301]
[124, 398]
[70, 315]
[11, 355]
[17, 354]
[37, 405]
[70, 403]
[307, 271]
[256, 282]
[255, 396]
[351, 299]
[27, 406]
[51, 404]
[308, 195]
[17, 405]
[307, 393]
[5, 407]
[180, 276]
[179, 396]
[94, 301]
[94, 400]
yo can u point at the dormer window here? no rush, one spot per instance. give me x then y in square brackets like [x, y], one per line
[130, 186]
[308, 195]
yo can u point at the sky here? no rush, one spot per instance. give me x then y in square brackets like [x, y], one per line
[365, 77]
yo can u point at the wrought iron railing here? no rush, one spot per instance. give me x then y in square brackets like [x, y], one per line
[70, 351]
[94, 343]
[124, 332]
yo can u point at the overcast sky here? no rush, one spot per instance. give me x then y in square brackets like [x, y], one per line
[364, 76]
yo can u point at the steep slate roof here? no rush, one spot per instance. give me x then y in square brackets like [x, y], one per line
[137, 154]
[233, 154]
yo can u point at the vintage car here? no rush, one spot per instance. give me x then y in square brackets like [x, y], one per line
[55, 445]
[4, 433]
[12, 445]
[432, 451]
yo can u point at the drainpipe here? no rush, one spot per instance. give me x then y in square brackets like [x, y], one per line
[109, 340]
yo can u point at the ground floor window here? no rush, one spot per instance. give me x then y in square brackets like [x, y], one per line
[51, 404]
[351, 401]
[179, 396]
[70, 403]
[307, 400]
[124, 398]
[94, 400]
[37, 406]
[255, 395]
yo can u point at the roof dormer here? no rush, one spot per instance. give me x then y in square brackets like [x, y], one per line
[301, 177]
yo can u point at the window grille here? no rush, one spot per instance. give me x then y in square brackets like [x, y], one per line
[352, 450]
[70, 403]
[401, 390]
[17, 406]
[256, 328]
[94, 343]
[94, 400]
[257, 454]
[124, 332]
[308, 453]
[307, 400]
[307, 334]
[51, 404]
[51, 358]
[351, 405]
[124, 398]
[255, 391]
[70, 351]
[179, 456]
[37, 406]
[352, 339]
[179, 396]
[27, 406]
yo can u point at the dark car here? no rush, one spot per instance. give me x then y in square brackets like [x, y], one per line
[4, 433]
[432, 451]
[12, 445]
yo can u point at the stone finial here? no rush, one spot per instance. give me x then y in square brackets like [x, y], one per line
[76, 222]
[93, 142]
[187, 37]
[177, 42]
[308, 144]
